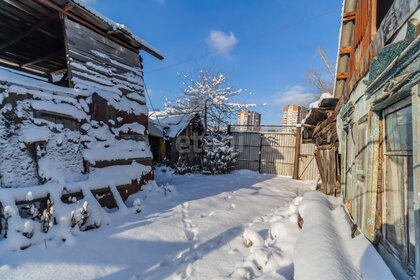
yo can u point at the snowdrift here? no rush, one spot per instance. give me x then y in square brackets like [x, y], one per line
[325, 248]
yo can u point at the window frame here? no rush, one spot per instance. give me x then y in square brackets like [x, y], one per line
[402, 256]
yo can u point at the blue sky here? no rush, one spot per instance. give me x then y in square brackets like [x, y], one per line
[265, 45]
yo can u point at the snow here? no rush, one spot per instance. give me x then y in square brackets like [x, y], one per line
[22, 81]
[325, 95]
[45, 146]
[33, 134]
[101, 144]
[121, 150]
[314, 105]
[241, 225]
[129, 127]
[325, 248]
[62, 109]
[172, 124]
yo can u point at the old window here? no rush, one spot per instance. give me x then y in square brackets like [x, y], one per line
[398, 190]
[66, 122]
[382, 9]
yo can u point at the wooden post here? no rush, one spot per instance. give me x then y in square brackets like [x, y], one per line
[162, 150]
[297, 154]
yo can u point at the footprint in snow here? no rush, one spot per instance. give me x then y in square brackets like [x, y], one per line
[207, 215]
[190, 228]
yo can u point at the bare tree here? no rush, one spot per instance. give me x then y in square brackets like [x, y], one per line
[209, 93]
[321, 79]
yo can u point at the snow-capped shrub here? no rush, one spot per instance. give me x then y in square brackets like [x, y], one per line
[47, 217]
[84, 218]
[182, 166]
[218, 156]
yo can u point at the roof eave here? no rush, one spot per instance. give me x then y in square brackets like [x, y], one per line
[114, 27]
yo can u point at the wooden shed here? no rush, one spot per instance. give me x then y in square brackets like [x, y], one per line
[175, 136]
[84, 83]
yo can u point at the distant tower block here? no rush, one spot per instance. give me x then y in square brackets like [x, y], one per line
[293, 115]
[249, 120]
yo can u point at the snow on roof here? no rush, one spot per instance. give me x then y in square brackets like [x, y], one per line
[173, 124]
[121, 27]
[325, 95]
[155, 129]
[317, 104]
[14, 78]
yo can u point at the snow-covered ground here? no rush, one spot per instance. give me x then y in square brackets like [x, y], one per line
[240, 225]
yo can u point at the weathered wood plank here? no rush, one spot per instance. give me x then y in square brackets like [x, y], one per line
[109, 69]
[96, 61]
[82, 36]
[96, 70]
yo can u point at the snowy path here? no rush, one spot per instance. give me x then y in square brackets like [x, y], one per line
[193, 232]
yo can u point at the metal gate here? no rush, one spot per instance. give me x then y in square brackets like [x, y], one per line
[274, 153]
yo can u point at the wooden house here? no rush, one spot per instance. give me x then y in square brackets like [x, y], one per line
[73, 105]
[377, 126]
[174, 136]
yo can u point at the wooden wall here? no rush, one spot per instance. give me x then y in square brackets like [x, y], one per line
[96, 61]
[99, 65]
[112, 76]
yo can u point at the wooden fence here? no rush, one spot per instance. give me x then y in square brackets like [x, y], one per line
[275, 153]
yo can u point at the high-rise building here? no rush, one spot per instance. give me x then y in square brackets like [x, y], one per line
[293, 115]
[249, 120]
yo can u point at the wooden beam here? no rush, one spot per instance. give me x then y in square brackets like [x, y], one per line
[87, 24]
[29, 31]
[42, 58]
[349, 16]
[342, 75]
[33, 3]
[345, 50]
[24, 8]
[308, 125]
[15, 67]
[374, 7]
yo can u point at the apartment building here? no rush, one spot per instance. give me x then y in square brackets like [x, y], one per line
[293, 115]
[249, 120]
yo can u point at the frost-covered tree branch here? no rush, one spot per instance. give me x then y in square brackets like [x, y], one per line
[208, 90]
[322, 80]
